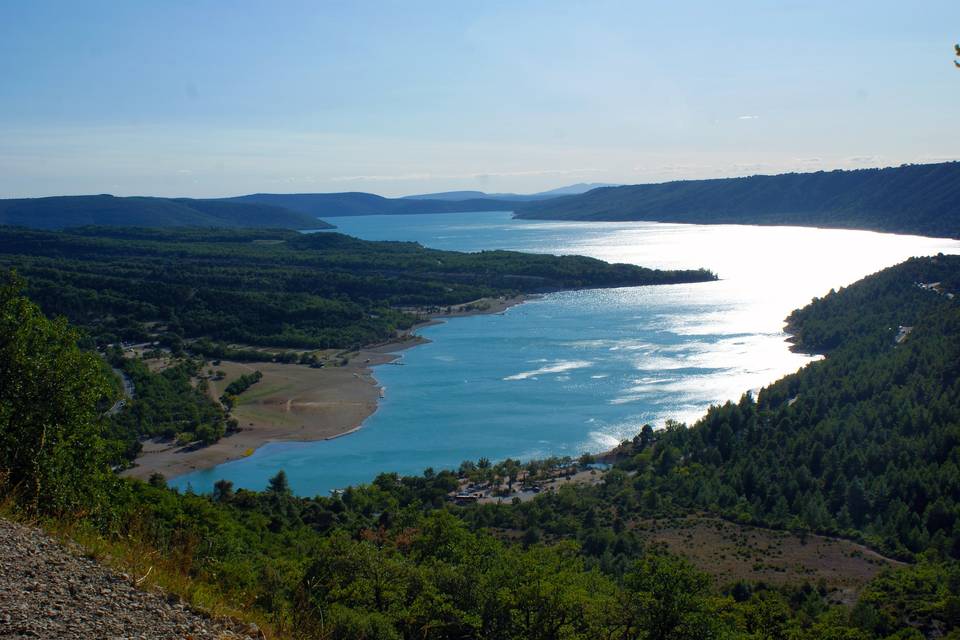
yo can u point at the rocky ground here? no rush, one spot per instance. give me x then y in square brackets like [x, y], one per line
[48, 591]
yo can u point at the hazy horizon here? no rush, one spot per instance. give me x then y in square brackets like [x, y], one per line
[407, 195]
[206, 100]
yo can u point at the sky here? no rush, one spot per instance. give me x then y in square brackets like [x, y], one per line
[215, 98]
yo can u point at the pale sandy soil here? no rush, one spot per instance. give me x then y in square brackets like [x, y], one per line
[293, 402]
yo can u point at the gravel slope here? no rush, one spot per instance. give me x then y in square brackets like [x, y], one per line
[48, 592]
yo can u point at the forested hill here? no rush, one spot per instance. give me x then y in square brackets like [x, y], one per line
[276, 288]
[62, 212]
[367, 204]
[916, 199]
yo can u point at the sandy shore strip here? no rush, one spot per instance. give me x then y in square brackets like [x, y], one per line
[294, 402]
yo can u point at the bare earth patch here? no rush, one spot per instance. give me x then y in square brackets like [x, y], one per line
[731, 552]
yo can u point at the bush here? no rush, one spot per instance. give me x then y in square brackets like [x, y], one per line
[51, 448]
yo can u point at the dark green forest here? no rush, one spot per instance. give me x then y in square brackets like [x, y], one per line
[275, 288]
[919, 199]
[862, 444]
[60, 212]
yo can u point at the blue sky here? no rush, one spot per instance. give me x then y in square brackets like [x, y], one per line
[203, 98]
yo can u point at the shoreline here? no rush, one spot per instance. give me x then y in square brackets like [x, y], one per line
[344, 398]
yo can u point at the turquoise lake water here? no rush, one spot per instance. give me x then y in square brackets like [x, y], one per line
[580, 371]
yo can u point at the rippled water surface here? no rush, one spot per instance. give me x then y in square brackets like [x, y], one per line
[579, 371]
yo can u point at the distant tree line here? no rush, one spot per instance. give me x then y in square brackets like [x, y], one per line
[238, 386]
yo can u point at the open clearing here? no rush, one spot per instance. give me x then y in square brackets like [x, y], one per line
[732, 552]
[295, 398]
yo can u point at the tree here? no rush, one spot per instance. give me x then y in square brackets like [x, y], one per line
[957, 50]
[280, 503]
[51, 451]
[669, 599]
[222, 491]
[279, 484]
[646, 436]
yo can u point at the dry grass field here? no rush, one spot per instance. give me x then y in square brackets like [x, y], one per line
[732, 552]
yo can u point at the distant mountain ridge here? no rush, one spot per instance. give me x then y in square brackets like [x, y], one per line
[918, 199]
[570, 189]
[915, 199]
[60, 212]
[358, 203]
[368, 204]
[459, 196]
[576, 189]
[451, 195]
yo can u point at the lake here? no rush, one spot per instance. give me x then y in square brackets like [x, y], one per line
[579, 371]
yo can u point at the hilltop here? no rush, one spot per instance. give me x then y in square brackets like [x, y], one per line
[61, 212]
[570, 189]
[917, 199]
[358, 203]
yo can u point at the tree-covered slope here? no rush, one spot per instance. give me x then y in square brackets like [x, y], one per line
[74, 211]
[864, 443]
[277, 288]
[918, 199]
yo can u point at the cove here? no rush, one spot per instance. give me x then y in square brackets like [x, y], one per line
[579, 371]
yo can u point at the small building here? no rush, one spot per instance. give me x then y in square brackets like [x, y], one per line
[468, 498]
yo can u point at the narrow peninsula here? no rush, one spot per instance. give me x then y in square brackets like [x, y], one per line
[183, 312]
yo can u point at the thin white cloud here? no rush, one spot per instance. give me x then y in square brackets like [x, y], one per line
[748, 117]
[674, 168]
[375, 178]
[537, 172]
[293, 179]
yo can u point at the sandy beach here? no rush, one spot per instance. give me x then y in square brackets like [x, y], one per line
[294, 402]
